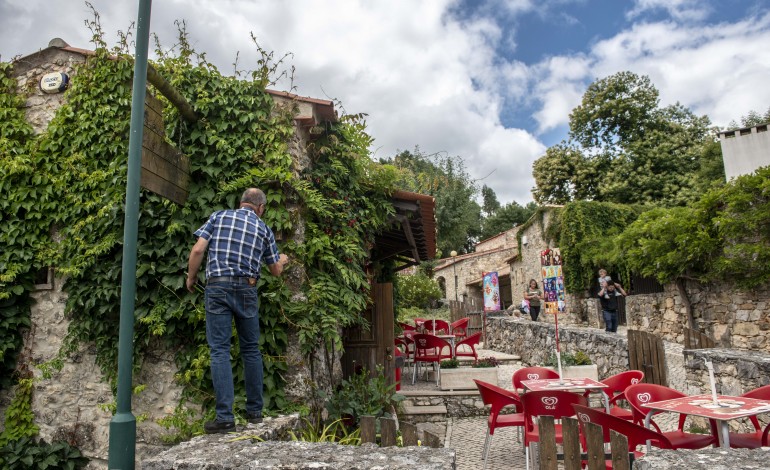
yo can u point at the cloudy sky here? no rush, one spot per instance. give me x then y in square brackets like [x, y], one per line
[490, 81]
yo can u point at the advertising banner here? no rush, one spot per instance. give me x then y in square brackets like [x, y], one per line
[553, 281]
[491, 289]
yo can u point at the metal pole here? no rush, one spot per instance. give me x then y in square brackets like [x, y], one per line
[123, 425]
[454, 270]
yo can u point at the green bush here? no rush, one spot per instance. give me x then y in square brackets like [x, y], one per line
[416, 290]
[362, 395]
[486, 362]
[569, 359]
[450, 363]
[28, 454]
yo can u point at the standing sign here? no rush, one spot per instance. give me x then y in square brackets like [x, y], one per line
[553, 281]
[491, 288]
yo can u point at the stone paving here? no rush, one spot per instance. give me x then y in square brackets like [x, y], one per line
[466, 435]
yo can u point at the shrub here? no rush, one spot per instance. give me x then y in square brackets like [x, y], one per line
[416, 290]
[579, 358]
[363, 394]
[450, 363]
[486, 362]
[28, 454]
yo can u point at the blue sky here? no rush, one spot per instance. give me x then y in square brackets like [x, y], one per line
[490, 81]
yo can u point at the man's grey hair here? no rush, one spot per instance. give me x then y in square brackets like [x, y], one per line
[254, 196]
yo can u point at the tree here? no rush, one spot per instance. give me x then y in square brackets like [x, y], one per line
[623, 148]
[507, 217]
[490, 204]
[753, 118]
[458, 215]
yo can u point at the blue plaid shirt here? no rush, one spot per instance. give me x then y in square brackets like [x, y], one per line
[238, 243]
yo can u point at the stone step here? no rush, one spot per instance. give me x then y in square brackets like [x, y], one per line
[411, 410]
[423, 413]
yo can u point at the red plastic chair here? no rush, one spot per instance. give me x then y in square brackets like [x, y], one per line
[459, 328]
[616, 388]
[471, 341]
[637, 435]
[556, 403]
[638, 394]
[531, 373]
[498, 398]
[406, 326]
[418, 322]
[441, 325]
[430, 349]
[402, 345]
[751, 440]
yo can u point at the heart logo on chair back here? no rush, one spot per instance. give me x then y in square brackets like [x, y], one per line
[643, 397]
[533, 376]
[584, 417]
[549, 401]
[634, 381]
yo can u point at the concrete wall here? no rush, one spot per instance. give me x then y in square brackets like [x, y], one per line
[745, 150]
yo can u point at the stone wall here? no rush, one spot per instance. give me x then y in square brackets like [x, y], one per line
[711, 459]
[536, 341]
[733, 318]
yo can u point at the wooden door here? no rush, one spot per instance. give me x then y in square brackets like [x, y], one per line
[647, 354]
[373, 346]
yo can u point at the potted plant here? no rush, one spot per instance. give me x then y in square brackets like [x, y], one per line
[461, 378]
[574, 365]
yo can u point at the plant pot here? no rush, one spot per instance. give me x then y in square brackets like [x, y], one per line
[461, 378]
[578, 372]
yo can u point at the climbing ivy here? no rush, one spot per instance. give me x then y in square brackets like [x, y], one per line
[23, 230]
[584, 232]
[70, 181]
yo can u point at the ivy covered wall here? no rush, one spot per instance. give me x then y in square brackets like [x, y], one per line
[62, 204]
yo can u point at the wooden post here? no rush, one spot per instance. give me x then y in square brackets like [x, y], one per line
[548, 460]
[431, 440]
[595, 446]
[387, 432]
[368, 431]
[571, 444]
[620, 455]
[409, 434]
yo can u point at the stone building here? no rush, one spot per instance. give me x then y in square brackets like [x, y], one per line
[76, 401]
[460, 276]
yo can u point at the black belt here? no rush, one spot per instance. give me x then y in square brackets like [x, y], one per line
[235, 279]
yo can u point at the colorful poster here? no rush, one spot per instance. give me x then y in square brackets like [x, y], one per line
[491, 289]
[553, 281]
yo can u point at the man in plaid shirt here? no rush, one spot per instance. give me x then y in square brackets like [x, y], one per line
[237, 242]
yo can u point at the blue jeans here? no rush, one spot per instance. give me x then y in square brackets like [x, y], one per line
[610, 320]
[225, 301]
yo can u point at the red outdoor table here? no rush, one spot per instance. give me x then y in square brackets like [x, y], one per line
[729, 407]
[583, 383]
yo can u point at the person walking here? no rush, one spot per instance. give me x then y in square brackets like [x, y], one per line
[533, 295]
[608, 297]
[237, 242]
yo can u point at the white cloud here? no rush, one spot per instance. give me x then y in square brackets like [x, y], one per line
[719, 70]
[680, 10]
[430, 79]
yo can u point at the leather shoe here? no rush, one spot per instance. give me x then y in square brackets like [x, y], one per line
[254, 418]
[219, 427]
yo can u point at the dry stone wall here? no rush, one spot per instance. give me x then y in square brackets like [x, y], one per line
[536, 341]
[733, 318]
